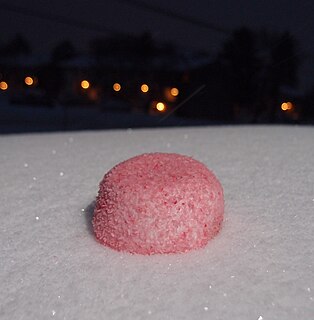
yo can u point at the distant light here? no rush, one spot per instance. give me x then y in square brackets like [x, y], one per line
[170, 93]
[290, 105]
[116, 86]
[160, 106]
[174, 92]
[286, 106]
[85, 84]
[144, 88]
[3, 85]
[29, 81]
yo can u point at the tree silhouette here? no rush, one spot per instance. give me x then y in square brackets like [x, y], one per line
[145, 46]
[240, 67]
[308, 108]
[284, 60]
[280, 68]
[118, 45]
[123, 46]
[63, 51]
[254, 67]
[16, 47]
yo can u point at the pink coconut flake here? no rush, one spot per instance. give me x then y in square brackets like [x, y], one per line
[158, 203]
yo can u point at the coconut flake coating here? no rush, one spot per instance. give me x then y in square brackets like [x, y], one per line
[158, 203]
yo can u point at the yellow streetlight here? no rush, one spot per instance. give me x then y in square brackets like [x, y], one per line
[85, 84]
[29, 81]
[144, 88]
[160, 106]
[116, 86]
[174, 92]
[3, 85]
[286, 106]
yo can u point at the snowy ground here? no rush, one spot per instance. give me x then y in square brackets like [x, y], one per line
[261, 266]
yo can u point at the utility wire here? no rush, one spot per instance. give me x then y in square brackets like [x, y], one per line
[56, 18]
[194, 93]
[172, 14]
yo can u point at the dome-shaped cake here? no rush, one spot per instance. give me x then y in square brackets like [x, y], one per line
[158, 203]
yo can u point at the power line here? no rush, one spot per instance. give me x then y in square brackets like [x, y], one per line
[194, 93]
[56, 18]
[172, 14]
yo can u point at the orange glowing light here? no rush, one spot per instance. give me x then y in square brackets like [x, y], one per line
[85, 84]
[3, 85]
[174, 92]
[144, 88]
[29, 81]
[116, 86]
[286, 106]
[160, 106]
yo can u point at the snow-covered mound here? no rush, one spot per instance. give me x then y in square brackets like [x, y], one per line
[260, 266]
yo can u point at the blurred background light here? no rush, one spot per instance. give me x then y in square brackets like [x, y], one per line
[286, 106]
[3, 85]
[171, 94]
[160, 106]
[29, 81]
[85, 84]
[116, 87]
[144, 88]
[174, 92]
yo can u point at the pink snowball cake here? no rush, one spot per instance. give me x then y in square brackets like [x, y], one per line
[158, 203]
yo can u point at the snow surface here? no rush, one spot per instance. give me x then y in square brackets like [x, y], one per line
[260, 266]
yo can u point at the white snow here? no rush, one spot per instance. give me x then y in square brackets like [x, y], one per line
[259, 267]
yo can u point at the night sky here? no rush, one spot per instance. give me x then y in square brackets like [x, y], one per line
[129, 16]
